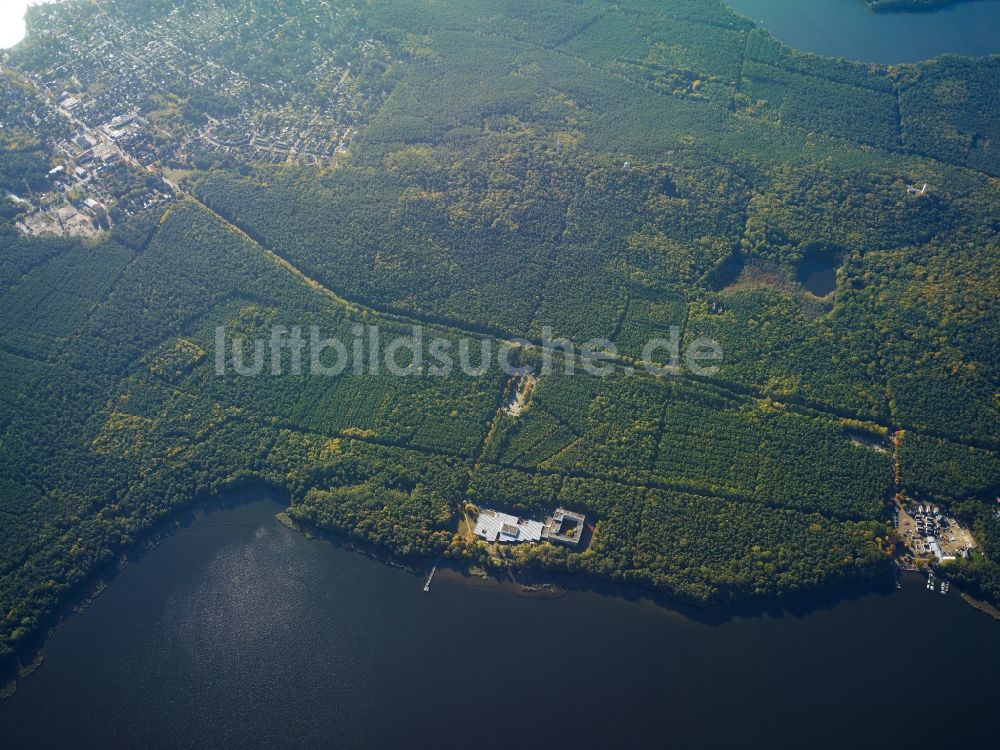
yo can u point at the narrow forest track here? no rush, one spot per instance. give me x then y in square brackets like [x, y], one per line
[628, 365]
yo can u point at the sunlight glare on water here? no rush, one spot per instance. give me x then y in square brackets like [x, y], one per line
[12, 20]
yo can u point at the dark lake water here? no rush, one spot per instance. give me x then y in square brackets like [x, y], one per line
[818, 275]
[846, 28]
[237, 632]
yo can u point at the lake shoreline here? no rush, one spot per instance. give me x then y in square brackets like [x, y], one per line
[271, 627]
[248, 490]
[239, 492]
[530, 582]
[978, 604]
[912, 6]
[854, 31]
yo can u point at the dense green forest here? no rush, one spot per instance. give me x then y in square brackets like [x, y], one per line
[593, 169]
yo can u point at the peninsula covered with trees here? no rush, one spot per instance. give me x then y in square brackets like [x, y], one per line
[910, 6]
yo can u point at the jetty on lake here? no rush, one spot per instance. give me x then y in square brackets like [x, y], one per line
[427, 585]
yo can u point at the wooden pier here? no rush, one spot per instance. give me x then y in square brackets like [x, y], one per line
[427, 586]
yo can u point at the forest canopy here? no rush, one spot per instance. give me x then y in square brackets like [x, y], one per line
[600, 170]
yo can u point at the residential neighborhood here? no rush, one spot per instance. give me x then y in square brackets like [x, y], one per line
[115, 109]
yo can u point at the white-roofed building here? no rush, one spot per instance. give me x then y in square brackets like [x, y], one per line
[494, 526]
[935, 547]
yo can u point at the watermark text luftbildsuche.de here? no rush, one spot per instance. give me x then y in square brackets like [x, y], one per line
[298, 350]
